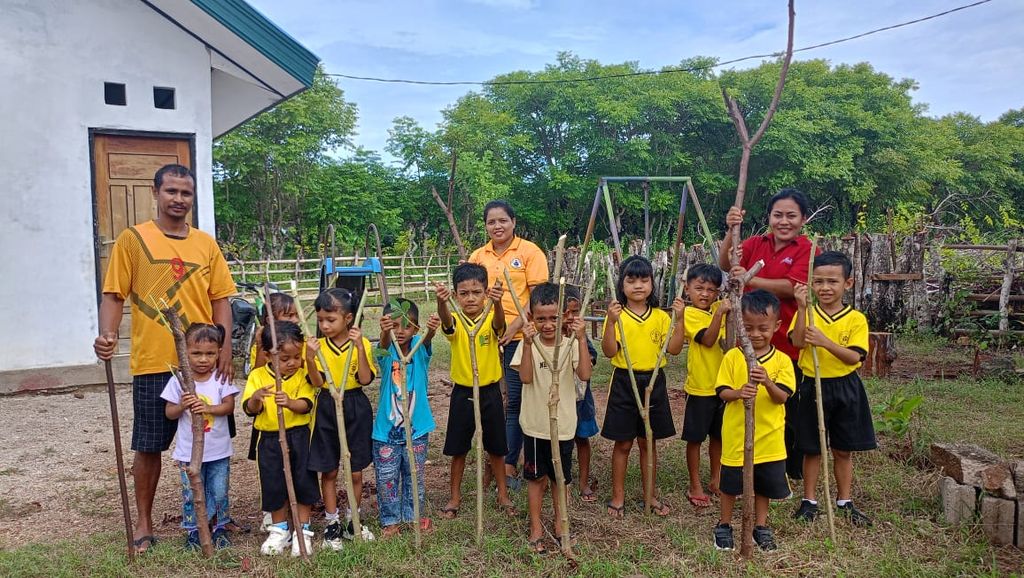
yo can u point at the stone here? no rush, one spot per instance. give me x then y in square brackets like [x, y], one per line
[997, 519]
[975, 466]
[1020, 524]
[1017, 467]
[958, 501]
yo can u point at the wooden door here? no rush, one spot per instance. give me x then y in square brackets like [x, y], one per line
[124, 167]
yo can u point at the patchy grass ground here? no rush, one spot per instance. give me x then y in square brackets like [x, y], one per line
[61, 516]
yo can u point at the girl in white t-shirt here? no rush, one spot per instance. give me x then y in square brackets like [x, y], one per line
[214, 401]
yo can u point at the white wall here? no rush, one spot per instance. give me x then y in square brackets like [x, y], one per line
[54, 58]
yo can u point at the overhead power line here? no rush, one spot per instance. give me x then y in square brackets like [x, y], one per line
[655, 72]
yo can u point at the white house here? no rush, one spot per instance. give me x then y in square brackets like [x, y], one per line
[95, 95]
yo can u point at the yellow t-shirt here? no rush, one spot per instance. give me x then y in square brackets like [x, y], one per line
[297, 386]
[848, 327]
[702, 363]
[533, 417]
[769, 417]
[335, 357]
[527, 265]
[150, 269]
[645, 335]
[488, 357]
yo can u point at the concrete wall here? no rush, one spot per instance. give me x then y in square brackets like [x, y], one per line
[54, 58]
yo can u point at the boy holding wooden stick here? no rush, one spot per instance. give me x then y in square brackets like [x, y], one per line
[470, 281]
[771, 382]
[538, 465]
[298, 389]
[840, 333]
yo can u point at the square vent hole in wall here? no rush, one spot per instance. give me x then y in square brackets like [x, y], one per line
[114, 94]
[163, 97]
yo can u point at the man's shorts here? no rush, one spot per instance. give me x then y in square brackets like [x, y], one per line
[848, 423]
[622, 421]
[537, 461]
[461, 424]
[769, 480]
[324, 445]
[703, 418]
[152, 432]
[270, 464]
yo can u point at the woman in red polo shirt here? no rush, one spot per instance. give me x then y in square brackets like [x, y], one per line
[785, 251]
[527, 265]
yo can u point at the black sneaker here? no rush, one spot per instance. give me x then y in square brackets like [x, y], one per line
[723, 537]
[192, 540]
[765, 538]
[807, 511]
[220, 539]
[857, 518]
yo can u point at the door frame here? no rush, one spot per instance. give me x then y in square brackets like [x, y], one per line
[93, 132]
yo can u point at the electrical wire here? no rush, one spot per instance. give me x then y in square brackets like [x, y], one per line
[654, 72]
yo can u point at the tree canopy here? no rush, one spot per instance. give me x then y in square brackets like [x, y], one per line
[848, 135]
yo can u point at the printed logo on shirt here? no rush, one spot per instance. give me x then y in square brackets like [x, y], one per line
[483, 340]
[788, 261]
[657, 336]
[516, 263]
[844, 338]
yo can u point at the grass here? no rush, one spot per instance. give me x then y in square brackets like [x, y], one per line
[908, 538]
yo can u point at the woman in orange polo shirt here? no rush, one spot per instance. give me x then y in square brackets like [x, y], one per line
[786, 251]
[527, 265]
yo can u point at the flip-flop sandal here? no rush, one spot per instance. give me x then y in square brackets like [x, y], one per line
[537, 547]
[152, 541]
[588, 495]
[660, 509]
[699, 501]
[509, 509]
[616, 511]
[391, 532]
[449, 513]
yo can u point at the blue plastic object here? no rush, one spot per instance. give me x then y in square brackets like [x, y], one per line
[370, 266]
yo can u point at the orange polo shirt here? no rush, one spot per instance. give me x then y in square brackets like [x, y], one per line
[527, 265]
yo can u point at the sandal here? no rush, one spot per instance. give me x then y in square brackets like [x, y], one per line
[426, 525]
[699, 502]
[391, 531]
[660, 509]
[615, 511]
[588, 494]
[449, 513]
[509, 509]
[537, 546]
[149, 541]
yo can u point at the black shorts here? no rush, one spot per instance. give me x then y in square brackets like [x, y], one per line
[848, 422]
[152, 432]
[461, 425]
[769, 480]
[324, 445]
[703, 418]
[537, 461]
[622, 420]
[253, 437]
[274, 492]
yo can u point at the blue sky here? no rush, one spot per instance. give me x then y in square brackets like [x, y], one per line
[969, 61]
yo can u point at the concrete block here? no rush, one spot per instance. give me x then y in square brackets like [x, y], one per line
[975, 466]
[998, 519]
[959, 502]
[1017, 467]
[1020, 524]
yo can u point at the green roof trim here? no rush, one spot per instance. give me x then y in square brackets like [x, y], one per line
[263, 35]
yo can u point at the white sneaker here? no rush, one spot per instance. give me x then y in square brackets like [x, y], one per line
[268, 521]
[332, 536]
[307, 536]
[276, 542]
[365, 532]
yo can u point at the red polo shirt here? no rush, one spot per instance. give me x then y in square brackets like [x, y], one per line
[790, 263]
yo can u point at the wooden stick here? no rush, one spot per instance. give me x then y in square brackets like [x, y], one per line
[446, 207]
[119, 456]
[736, 290]
[641, 406]
[817, 395]
[678, 246]
[338, 393]
[1009, 265]
[553, 399]
[617, 253]
[406, 391]
[478, 436]
[194, 470]
[281, 432]
[559, 258]
[703, 221]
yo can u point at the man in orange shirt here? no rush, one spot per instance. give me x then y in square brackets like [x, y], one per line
[158, 264]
